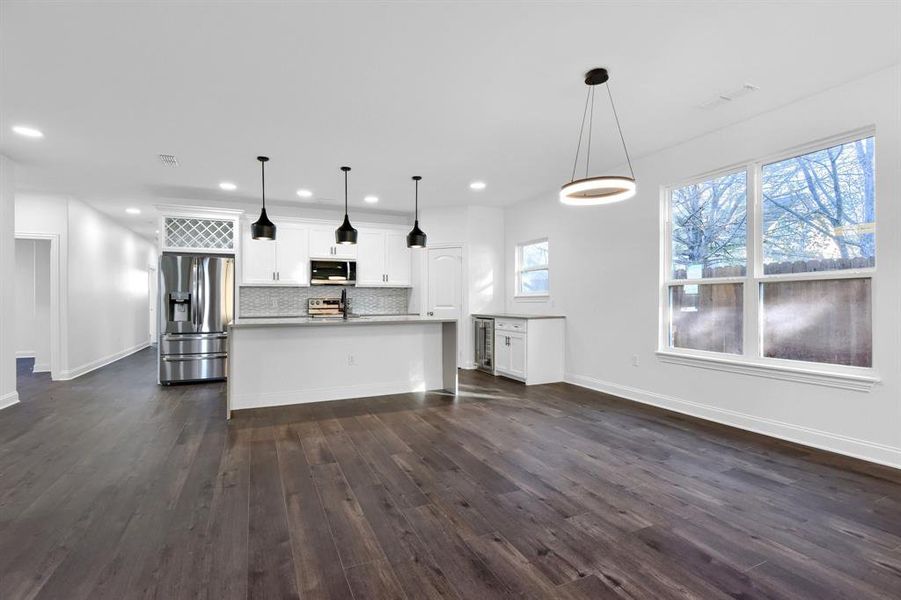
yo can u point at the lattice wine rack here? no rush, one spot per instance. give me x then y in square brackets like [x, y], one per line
[199, 234]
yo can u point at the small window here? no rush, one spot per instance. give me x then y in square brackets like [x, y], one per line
[532, 268]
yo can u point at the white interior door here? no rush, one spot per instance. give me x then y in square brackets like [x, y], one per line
[445, 291]
[445, 272]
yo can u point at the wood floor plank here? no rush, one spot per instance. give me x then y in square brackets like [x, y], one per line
[317, 565]
[270, 565]
[113, 487]
[354, 538]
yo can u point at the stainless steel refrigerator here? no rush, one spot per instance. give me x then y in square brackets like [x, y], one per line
[197, 297]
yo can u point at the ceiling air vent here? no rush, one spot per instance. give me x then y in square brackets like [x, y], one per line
[726, 97]
[168, 160]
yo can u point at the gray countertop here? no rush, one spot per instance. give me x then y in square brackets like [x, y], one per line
[516, 316]
[325, 321]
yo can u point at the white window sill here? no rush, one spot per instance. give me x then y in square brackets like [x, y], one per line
[532, 298]
[860, 382]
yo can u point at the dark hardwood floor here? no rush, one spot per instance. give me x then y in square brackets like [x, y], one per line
[113, 487]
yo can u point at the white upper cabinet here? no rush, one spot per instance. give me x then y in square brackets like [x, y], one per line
[291, 258]
[322, 245]
[398, 258]
[383, 259]
[283, 261]
[257, 259]
[371, 258]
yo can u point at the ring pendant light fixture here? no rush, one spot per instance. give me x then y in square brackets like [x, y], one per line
[263, 229]
[416, 238]
[603, 189]
[346, 234]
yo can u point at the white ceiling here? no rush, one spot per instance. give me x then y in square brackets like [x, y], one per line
[450, 91]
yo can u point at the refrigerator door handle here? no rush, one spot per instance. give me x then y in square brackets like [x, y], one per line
[201, 294]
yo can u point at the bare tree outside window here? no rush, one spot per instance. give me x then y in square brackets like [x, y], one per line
[819, 210]
[709, 228]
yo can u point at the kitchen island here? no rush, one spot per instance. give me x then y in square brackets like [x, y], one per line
[294, 360]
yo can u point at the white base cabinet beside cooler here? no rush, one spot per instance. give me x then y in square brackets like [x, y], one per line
[529, 349]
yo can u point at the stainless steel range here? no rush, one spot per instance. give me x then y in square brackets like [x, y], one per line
[196, 305]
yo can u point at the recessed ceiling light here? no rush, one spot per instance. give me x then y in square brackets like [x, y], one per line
[28, 131]
[228, 186]
[305, 193]
[133, 211]
[371, 199]
[477, 185]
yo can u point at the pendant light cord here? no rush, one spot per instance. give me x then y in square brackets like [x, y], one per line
[581, 129]
[345, 193]
[621, 137]
[416, 217]
[590, 127]
[263, 177]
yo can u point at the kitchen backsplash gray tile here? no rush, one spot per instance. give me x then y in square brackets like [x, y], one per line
[292, 301]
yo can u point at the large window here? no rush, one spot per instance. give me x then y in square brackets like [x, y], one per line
[774, 261]
[532, 268]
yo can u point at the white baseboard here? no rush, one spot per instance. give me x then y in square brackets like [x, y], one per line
[100, 362]
[468, 366]
[807, 436]
[324, 394]
[25, 353]
[7, 400]
[41, 368]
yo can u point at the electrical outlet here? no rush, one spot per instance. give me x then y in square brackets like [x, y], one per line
[351, 360]
[274, 302]
[634, 360]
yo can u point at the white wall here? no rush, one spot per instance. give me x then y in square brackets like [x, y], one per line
[33, 302]
[605, 264]
[8, 395]
[103, 281]
[479, 229]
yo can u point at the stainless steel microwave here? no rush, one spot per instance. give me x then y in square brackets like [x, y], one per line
[333, 272]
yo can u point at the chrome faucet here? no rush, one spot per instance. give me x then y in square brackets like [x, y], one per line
[344, 302]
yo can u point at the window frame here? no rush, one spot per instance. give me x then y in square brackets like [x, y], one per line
[752, 361]
[517, 289]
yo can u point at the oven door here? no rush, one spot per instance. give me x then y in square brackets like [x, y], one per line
[333, 272]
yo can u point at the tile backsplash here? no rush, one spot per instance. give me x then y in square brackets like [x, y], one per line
[292, 301]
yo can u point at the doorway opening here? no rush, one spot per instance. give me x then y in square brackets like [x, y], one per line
[36, 308]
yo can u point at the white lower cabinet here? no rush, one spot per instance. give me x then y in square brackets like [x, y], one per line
[530, 350]
[510, 354]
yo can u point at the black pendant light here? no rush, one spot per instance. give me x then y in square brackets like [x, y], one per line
[263, 229]
[346, 234]
[603, 189]
[416, 237]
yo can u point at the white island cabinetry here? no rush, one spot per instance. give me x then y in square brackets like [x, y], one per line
[279, 361]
